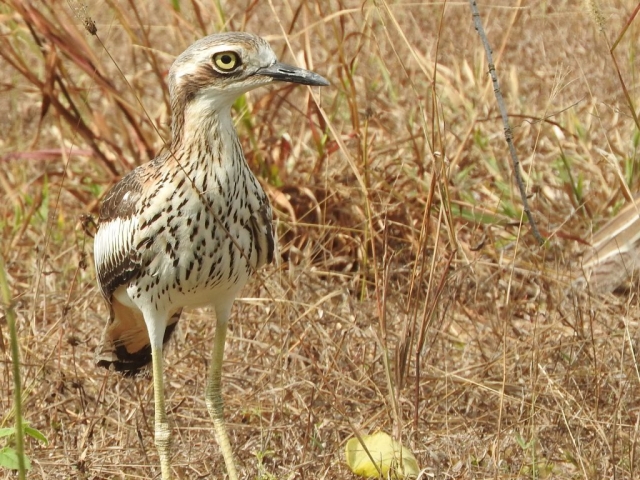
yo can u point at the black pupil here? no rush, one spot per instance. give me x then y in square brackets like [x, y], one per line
[226, 59]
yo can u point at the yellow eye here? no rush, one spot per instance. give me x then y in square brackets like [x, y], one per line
[226, 61]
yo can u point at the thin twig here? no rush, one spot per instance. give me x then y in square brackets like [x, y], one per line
[508, 134]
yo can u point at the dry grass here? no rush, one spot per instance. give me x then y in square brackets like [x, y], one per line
[399, 226]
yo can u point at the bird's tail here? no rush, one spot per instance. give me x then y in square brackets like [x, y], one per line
[125, 345]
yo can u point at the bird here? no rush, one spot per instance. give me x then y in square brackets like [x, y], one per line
[190, 227]
[614, 256]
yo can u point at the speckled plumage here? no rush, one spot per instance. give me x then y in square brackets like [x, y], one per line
[190, 227]
[179, 232]
[183, 230]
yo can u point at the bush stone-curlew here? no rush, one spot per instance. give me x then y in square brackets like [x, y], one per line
[190, 227]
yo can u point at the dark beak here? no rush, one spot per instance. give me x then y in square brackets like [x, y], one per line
[287, 73]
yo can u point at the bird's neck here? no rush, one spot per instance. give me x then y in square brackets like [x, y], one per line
[205, 131]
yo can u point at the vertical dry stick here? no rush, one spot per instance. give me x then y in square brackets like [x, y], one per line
[427, 318]
[505, 120]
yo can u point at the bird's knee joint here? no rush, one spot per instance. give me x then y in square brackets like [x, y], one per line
[162, 435]
[213, 405]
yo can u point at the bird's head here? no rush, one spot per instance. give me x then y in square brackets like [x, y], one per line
[217, 69]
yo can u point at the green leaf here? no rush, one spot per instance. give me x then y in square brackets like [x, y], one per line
[9, 459]
[37, 434]
[5, 432]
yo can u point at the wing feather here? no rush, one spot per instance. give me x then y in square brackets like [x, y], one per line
[261, 223]
[125, 344]
[116, 259]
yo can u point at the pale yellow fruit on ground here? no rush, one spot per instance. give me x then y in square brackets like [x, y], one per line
[386, 454]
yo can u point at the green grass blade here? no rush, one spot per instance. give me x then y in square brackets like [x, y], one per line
[15, 357]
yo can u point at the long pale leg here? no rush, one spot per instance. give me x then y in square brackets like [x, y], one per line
[156, 325]
[162, 430]
[213, 395]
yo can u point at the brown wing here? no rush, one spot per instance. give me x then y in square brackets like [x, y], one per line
[115, 258]
[125, 341]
